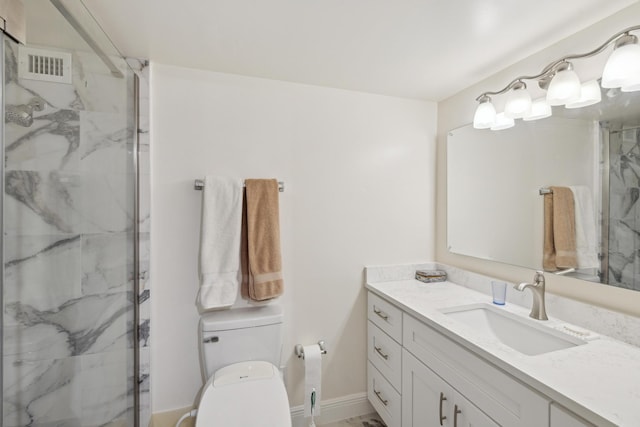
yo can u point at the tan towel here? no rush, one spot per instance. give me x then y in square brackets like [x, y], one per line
[559, 230]
[263, 261]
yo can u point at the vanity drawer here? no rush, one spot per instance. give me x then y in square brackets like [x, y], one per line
[384, 398]
[386, 316]
[503, 398]
[385, 354]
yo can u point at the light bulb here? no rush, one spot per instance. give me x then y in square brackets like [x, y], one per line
[485, 115]
[518, 102]
[540, 109]
[589, 94]
[565, 86]
[623, 66]
[502, 122]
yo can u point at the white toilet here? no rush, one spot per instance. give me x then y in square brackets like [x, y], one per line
[240, 350]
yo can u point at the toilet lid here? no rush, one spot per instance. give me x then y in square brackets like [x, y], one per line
[245, 394]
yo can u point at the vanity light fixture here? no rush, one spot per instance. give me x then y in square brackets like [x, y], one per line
[563, 86]
[485, 115]
[518, 102]
[623, 66]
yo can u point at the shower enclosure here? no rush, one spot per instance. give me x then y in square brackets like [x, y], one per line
[72, 245]
[622, 188]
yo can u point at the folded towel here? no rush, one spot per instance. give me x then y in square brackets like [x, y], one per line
[559, 230]
[263, 258]
[220, 243]
[586, 241]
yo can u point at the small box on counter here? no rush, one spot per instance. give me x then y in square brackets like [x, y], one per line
[431, 276]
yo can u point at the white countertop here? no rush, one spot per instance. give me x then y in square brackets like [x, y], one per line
[599, 380]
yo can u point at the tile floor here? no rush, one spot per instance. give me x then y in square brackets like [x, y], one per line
[371, 420]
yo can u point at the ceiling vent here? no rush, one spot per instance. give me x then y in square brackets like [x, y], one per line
[44, 65]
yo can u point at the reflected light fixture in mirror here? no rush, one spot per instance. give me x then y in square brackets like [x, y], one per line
[589, 94]
[503, 122]
[540, 109]
[622, 70]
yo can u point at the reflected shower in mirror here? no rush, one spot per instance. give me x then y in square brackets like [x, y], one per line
[495, 209]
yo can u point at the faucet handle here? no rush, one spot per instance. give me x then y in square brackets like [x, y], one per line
[538, 278]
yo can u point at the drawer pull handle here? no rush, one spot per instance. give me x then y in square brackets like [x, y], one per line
[456, 411]
[379, 351]
[384, 401]
[442, 399]
[380, 313]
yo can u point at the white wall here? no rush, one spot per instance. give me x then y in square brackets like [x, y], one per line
[360, 185]
[458, 110]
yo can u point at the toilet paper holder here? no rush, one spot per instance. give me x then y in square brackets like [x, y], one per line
[300, 350]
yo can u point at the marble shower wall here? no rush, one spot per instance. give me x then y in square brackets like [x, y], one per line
[69, 235]
[624, 214]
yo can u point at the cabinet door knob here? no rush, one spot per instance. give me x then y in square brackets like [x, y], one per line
[384, 401]
[379, 351]
[380, 313]
[456, 411]
[442, 399]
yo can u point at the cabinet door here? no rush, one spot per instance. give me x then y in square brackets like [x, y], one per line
[561, 417]
[466, 414]
[426, 399]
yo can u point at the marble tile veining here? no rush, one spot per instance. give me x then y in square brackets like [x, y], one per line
[69, 272]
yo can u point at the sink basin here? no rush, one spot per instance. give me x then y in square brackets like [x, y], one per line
[521, 334]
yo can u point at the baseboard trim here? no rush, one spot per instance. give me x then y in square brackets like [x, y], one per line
[341, 408]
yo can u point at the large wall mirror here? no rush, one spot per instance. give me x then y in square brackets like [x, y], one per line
[496, 181]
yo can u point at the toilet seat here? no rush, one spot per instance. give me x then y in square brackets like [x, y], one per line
[243, 395]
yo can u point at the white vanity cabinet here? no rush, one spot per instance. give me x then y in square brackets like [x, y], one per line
[430, 401]
[418, 376]
[384, 352]
[497, 394]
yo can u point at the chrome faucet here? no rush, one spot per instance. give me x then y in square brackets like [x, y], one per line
[537, 288]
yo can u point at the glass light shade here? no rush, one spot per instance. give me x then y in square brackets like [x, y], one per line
[502, 122]
[518, 103]
[622, 67]
[540, 109]
[631, 87]
[564, 88]
[485, 115]
[632, 84]
[590, 94]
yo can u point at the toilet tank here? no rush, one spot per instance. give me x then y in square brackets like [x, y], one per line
[240, 335]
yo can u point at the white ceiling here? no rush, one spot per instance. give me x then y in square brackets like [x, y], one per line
[427, 49]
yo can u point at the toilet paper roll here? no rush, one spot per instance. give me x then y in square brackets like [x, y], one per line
[312, 378]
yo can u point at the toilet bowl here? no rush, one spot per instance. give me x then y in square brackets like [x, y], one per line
[245, 394]
[239, 353]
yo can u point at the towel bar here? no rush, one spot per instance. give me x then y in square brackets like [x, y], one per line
[545, 190]
[199, 185]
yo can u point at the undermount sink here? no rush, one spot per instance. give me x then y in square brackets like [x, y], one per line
[521, 334]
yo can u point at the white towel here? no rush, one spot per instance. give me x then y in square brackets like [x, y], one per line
[220, 242]
[586, 241]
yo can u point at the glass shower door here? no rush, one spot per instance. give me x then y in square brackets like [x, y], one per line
[69, 231]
